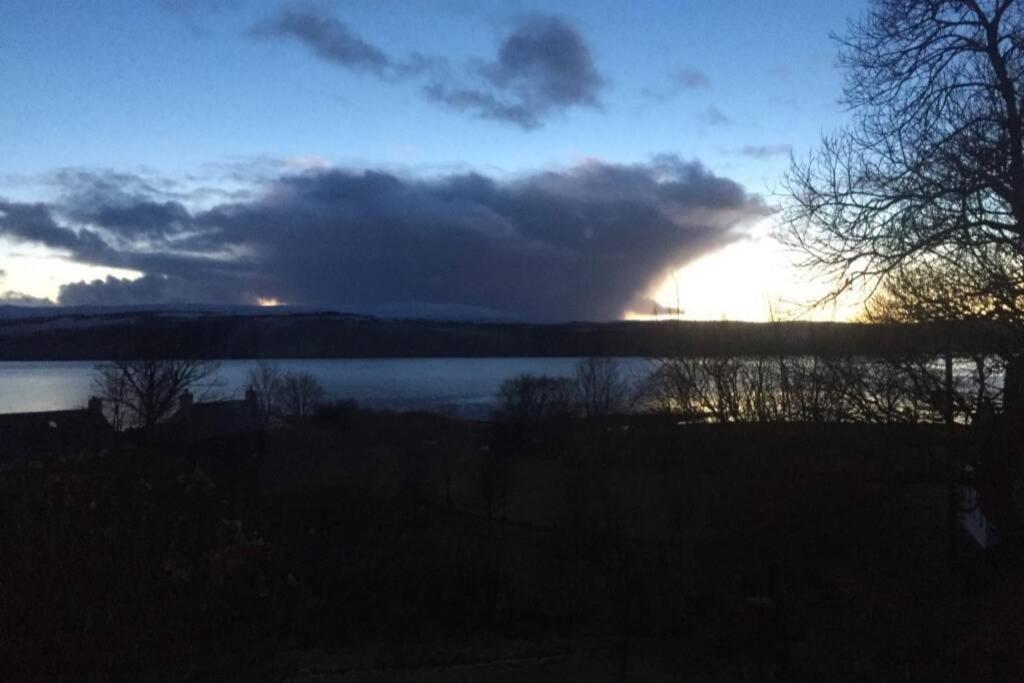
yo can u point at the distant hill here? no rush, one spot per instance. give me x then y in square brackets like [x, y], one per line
[249, 332]
[11, 312]
[417, 311]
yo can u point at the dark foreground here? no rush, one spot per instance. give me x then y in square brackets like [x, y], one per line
[414, 548]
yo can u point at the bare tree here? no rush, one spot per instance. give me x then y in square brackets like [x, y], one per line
[531, 396]
[600, 387]
[300, 394]
[141, 393]
[698, 388]
[930, 176]
[923, 195]
[928, 294]
[801, 389]
[113, 389]
[266, 380]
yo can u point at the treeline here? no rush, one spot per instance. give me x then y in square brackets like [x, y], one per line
[827, 389]
[343, 336]
[769, 389]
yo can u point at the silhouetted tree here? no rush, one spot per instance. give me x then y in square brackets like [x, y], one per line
[929, 294]
[800, 389]
[300, 394]
[267, 381]
[600, 388]
[141, 393]
[929, 177]
[535, 396]
[923, 195]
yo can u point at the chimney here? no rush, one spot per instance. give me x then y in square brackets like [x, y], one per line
[96, 405]
[252, 401]
[184, 402]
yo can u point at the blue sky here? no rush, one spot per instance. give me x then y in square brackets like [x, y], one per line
[177, 88]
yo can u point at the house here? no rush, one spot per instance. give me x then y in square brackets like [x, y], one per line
[198, 421]
[54, 432]
[973, 519]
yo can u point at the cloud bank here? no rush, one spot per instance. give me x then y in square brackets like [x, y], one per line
[587, 242]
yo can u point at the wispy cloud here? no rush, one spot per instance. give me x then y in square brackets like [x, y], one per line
[682, 79]
[327, 37]
[765, 151]
[198, 6]
[542, 66]
[713, 116]
[195, 14]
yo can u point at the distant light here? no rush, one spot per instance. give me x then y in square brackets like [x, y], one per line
[267, 301]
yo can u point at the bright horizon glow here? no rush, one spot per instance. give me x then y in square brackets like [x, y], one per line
[754, 279]
[39, 272]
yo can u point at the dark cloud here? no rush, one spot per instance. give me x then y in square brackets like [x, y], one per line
[181, 253]
[35, 223]
[713, 116]
[136, 218]
[145, 203]
[114, 291]
[12, 298]
[327, 37]
[679, 81]
[765, 151]
[588, 242]
[543, 66]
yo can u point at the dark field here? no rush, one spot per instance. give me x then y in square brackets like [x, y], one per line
[411, 547]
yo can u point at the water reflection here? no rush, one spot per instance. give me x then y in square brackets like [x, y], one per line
[465, 385]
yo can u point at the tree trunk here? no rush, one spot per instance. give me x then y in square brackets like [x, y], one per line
[1013, 387]
[1000, 466]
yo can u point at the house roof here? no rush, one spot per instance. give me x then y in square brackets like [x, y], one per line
[216, 418]
[49, 430]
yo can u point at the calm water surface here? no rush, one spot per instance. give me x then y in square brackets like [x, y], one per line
[465, 385]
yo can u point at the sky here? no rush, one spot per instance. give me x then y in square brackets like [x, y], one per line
[542, 161]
